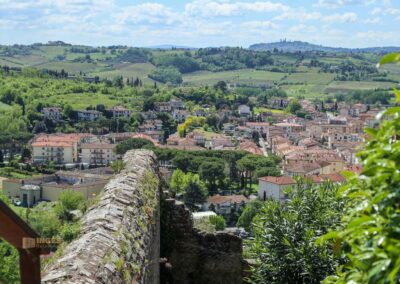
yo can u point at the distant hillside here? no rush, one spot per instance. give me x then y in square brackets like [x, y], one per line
[293, 46]
[169, 47]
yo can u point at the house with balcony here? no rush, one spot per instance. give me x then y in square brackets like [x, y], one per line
[99, 153]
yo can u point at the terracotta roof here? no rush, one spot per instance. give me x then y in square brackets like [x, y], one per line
[284, 180]
[52, 144]
[262, 124]
[218, 199]
[331, 177]
[302, 167]
[287, 180]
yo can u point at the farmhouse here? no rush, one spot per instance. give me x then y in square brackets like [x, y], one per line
[88, 115]
[52, 113]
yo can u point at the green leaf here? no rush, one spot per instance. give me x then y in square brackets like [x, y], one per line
[390, 58]
[358, 221]
[326, 237]
[397, 94]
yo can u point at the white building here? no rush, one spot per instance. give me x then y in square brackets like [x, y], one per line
[244, 110]
[120, 111]
[273, 187]
[88, 115]
[180, 115]
[53, 113]
[225, 204]
[57, 152]
[99, 153]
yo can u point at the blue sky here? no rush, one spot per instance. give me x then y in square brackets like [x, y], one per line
[199, 23]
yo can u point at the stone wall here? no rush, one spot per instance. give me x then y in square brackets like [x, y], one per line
[119, 241]
[198, 257]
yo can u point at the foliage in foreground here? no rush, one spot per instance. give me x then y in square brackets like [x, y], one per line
[284, 236]
[370, 238]
[218, 222]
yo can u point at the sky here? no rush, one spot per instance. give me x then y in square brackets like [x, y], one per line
[201, 23]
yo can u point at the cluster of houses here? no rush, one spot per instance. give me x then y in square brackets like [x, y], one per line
[317, 149]
[55, 113]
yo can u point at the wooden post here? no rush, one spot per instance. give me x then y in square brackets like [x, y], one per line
[14, 230]
[29, 266]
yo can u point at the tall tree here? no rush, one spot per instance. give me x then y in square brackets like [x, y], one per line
[213, 173]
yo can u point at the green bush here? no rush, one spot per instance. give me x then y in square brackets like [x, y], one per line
[370, 238]
[218, 222]
[284, 236]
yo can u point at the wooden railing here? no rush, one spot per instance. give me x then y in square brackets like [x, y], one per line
[16, 232]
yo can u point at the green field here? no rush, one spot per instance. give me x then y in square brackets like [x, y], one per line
[339, 86]
[71, 67]
[258, 110]
[243, 76]
[128, 70]
[81, 101]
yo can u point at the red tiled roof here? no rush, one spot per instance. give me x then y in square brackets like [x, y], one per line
[218, 199]
[284, 180]
[52, 144]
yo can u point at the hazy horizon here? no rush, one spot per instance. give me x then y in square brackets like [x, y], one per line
[201, 23]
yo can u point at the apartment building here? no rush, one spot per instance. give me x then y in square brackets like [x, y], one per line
[98, 153]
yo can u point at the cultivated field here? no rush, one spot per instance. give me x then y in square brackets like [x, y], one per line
[243, 76]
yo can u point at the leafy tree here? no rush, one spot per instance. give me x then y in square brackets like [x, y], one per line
[285, 235]
[179, 181]
[1, 157]
[117, 166]
[183, 63]
[182, 161]
[246, 166]
[267, 171]
[218, 222]
[166, 74]
[212, 172]
[25, 154]
[118, 82]
[68, 201]
[221, 85]
[195, 193]
[294, 106]
[132, 143]
[250, 211]
[9, 264]
[370, 237]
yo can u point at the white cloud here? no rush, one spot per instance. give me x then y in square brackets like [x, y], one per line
[150, 13]
[376, 36]
[341, 3]
[299, 15]
[341, 18]
[259, 25]
[372, 21]
[303, 29]
[207, 8]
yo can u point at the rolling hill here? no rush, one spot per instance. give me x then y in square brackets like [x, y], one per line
[294, 46]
